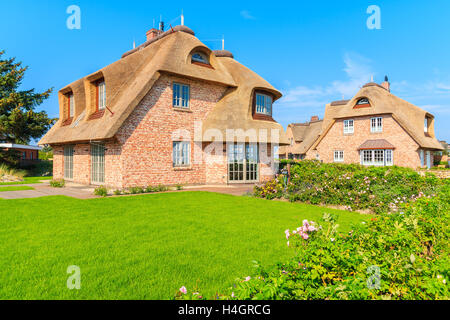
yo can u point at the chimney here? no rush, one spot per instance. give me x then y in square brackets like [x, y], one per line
[314, 118]
[152, 33]
[386, 84]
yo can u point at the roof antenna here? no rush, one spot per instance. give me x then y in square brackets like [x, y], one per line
[182, 17]
[223, 42]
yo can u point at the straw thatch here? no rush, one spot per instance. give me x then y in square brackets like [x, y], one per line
[304, 134]
[132, 77]
[410, 117]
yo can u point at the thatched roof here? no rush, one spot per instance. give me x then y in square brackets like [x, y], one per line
[409, 116]
[305, 134]
[129, 79]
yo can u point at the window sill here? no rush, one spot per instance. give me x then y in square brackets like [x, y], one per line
[348, 134]
[188, 168]
[67, 122]
[180, 109]
[97, 115]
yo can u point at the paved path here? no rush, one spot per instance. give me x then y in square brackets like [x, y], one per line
[86, 192]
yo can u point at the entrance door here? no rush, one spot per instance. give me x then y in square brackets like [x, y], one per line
[97, 163]
[243, 166]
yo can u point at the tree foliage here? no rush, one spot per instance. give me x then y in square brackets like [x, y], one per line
[19, 122]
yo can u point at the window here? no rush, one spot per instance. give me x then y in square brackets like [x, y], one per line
[101, 95]
[426, 124]
[339, 156]
[181, 95]
[199, 57]
[378, 157]
[348, 126]
[376, 124]
[263, 104]
[71, 102]
[68, 162]
[362, 101]
[24, 155]
[181, 154]
[97, 163]
[31, 155]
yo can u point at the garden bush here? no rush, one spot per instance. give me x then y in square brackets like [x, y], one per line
[57, 183]
[101, 191]
[355, 187]
[402, 255]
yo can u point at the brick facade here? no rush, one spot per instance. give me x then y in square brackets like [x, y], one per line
[141, 155]
[406, 153]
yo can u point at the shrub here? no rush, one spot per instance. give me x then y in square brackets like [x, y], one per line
[179, 187]
[355, 187]
[149, 189]
[57, 183]
[101, 191]
[401, 256]
[136, 190]
[43, 168]
[161, 188]
[10, 174]
[117, 192]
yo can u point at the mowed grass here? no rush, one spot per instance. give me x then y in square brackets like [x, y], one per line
[142, 247]
[26, 180]
[4, 189]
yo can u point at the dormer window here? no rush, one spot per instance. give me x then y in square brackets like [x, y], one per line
[71, 105]
[263, 104]
[101, 95]
[200, 58]
[362, 103]
[426, 124]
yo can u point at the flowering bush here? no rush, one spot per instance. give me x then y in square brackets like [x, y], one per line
[399, 255]
[355, 187]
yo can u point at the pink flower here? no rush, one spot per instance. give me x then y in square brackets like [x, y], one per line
[288, 243]
[305, 223]
[248, 278]
[183, 290]
[311, 229]
[305, 236]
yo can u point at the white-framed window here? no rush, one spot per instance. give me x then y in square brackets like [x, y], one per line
[101, 89]
[348, 126]
[339, 156]
[422, 157]
[71, 105]
[376, 124]
[425, 125]
[181, 95]
[68, 162]
[181, 153]
[377, 157]
[263, 104]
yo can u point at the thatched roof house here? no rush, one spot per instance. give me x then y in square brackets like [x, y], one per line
[174, 83]
[301, 137]
[376, 127]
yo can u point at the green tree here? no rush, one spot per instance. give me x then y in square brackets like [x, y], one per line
[19, 122]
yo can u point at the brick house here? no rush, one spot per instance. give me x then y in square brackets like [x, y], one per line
[378, 128]
[170, 111]
[28, 154]
[301, 137]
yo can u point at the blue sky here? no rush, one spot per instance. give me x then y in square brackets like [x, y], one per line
[313, 51]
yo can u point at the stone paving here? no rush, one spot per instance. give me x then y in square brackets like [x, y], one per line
[86, 192]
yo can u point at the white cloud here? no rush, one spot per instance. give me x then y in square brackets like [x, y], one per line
[358, 71]
[247, 15]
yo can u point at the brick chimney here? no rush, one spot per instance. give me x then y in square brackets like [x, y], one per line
[152, 33]
[314, 118]
[386, 84]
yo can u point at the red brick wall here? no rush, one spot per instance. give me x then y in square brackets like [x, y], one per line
[406, 153]
[58, 162]
[147, 137]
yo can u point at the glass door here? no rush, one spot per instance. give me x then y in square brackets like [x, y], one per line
[243, 166]
[97, 163]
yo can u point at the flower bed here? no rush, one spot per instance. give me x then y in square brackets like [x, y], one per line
[401, 255]
[379, 189]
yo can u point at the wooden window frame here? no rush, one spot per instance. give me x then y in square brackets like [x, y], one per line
[262, 116]
[180, 106]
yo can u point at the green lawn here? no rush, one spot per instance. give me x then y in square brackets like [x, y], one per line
[4, 189]
[27, 180]
[142, 247]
